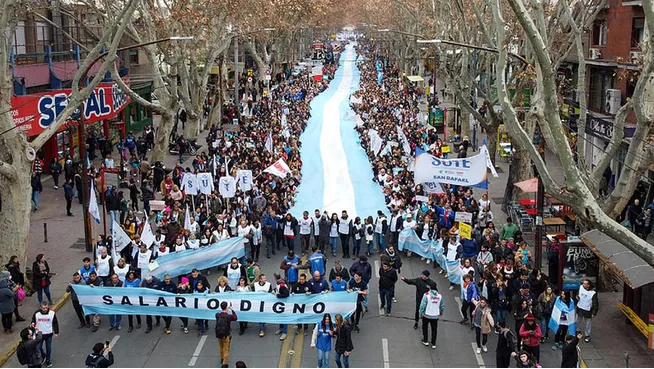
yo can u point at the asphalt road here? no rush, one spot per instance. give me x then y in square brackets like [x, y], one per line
[382, 342]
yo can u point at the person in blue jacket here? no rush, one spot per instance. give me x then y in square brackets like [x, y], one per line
[269, 228]
[131, 281]
[445, 216]
[317, 261]
[469, 248]
[290, 266]
[322, 340]
[468, 294]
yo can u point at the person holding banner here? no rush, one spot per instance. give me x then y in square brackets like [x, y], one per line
[114, 320]
[131, 281]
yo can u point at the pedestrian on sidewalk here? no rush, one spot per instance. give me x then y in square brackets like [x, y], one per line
[344, 345]
[55, 171]
[46, 322]
[224, 331]
[69, 193]
[37, 188]
[84, 321]
[17, 277]
[587, 306]
[432, 307]
[41, 278]
[423, 285]
[7, 302]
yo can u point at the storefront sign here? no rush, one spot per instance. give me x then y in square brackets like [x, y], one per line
[36, 112]
[599, 127]
[580, 263]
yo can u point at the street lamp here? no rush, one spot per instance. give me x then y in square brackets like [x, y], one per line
[82, 138]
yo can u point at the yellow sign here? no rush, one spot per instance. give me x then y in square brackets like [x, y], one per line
[445, 149]
[465, 230]
[334, 36]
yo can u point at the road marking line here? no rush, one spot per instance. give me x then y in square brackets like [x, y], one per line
[198, 350]
[385, 349]
[377, 268]
[480, 360]
[298, 345]
[458, 302]
[113, 341]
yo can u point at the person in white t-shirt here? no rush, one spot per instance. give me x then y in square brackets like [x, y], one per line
[316, 229]
[245, 230]
[305, 232]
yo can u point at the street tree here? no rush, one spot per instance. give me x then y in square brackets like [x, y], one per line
[548, 24]
[15, 166]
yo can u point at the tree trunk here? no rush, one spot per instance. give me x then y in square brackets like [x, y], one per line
[491, 140]
[15, 214]
[161, 138]
[192, 125]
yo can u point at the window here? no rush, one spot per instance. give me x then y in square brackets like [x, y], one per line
[43, 32]
[19, 39]
[637, 31]
[600, 31]
[133, 57]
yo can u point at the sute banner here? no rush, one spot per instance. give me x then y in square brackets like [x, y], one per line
[36, 112]
[256, 307]
[461, 172]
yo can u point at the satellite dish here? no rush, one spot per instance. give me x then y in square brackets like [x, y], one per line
[31, 153]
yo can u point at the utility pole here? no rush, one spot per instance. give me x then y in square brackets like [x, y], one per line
[81, 137]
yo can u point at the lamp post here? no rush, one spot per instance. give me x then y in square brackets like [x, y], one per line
[82, 141]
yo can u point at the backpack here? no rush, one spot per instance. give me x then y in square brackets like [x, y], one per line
[222, 326]
[95, 362]
[21, 354]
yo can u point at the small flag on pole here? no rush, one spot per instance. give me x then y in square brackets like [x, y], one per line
[269, 143]
[93, 205]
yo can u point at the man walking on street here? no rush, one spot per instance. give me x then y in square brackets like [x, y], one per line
[431, 308]
[84, 321]
[46, 321]
[423, 285]
[587, 306]
[69, 193]
[387, 280]
[224, 321]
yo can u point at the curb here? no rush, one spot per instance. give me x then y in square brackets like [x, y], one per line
[5, 356]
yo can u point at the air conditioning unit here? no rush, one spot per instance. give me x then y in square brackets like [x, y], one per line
[613, 100]
[635, 56]
[594, 53]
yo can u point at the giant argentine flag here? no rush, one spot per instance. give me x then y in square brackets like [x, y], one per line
[563, 315]
[336, 172]
[249, 306]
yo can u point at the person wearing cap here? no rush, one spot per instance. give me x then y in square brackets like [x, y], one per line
[45, 320]
[101, 357]
[423, 284]
[530, 335]
[365, 270]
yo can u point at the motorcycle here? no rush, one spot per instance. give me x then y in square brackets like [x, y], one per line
[190, 146]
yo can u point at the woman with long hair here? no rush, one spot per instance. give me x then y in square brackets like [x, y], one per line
[333, 233]
[322, 340]
[241, 287]
[343, 346]
[41, 278]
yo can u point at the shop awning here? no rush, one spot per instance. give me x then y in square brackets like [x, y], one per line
[633, 270]
[415, 78]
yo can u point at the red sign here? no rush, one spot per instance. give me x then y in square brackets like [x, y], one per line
[36, 112]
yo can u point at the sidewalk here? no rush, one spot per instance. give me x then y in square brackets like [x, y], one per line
[65, 248]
